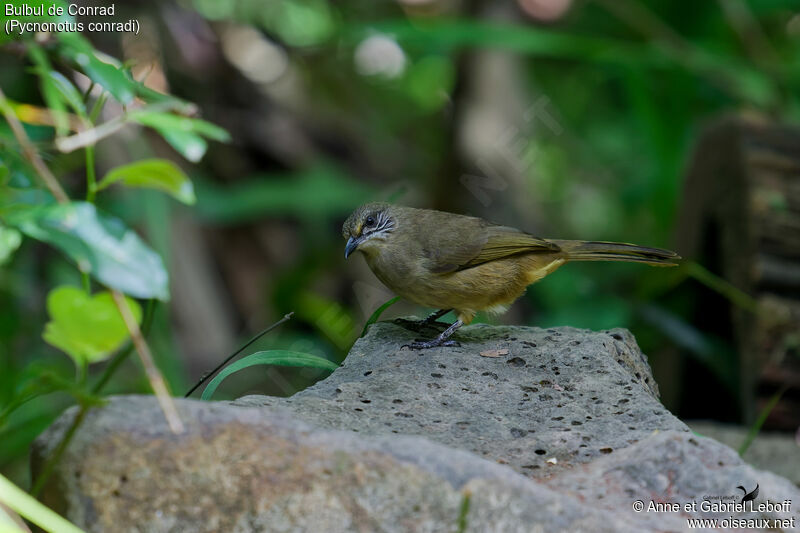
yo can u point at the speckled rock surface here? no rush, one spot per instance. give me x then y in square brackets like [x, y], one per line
[562, 433]
[565, 394]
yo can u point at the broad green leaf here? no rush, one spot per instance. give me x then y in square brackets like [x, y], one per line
[183, 133]
[377, 313]
[169, 121]
[100, 244]
[10, 239]
[189, 145]
[75, 48]
[151, 96]
[270, 357]
[87, 328]
[160, 174]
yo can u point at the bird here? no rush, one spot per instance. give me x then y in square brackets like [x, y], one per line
[748, 496]
[466, 264]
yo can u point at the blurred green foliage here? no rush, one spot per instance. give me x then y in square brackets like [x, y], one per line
[364, 101]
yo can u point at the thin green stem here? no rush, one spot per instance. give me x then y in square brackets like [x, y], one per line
[91, 180]
[86, 282]
[723, 287]
[98, 106]
[762, 417]
[81, 371]
[51, 463]
[88, 92]
[24, 505]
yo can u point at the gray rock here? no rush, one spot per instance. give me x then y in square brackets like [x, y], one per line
[564, 393]
[399, 440]
[773, 451]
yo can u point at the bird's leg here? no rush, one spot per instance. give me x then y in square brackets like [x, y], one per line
[418, 325]
[441, 340]
[433, 317]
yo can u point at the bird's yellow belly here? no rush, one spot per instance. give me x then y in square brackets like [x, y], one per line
[490, 286]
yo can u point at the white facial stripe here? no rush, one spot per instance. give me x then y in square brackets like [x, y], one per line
[384, 222]
[383, 226]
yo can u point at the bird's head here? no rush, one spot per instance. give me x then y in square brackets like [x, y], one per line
[367, 228]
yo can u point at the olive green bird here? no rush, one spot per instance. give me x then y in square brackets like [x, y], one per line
[466, 264]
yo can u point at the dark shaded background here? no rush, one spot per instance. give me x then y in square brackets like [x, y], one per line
[567, 119]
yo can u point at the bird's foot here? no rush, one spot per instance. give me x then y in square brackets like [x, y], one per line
[435, 343]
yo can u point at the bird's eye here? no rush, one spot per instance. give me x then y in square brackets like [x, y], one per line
[370, 221]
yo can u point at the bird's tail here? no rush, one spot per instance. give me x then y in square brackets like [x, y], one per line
[616, 251]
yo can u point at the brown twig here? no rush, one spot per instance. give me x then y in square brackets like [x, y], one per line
[30, 153]
[92, 136]
[153, 374]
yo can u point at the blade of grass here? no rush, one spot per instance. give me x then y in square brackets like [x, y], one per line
[377, 314]
[237, 352]
[270, 357]
[762, 417]
[726, 289]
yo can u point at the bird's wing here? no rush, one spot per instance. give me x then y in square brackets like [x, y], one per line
[503, 241]
[463, 242]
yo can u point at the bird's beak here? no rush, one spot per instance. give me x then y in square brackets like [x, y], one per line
[350, 247]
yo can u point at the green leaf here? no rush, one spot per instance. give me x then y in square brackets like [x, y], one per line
[303, 22]
[52, 95]
[10, 239]
[160, 174]
[101, 245]
[182, 133]
[87, 328]
[75, 48]
[377, 314]
[69, 93]
[270, 357]
[430, 81]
